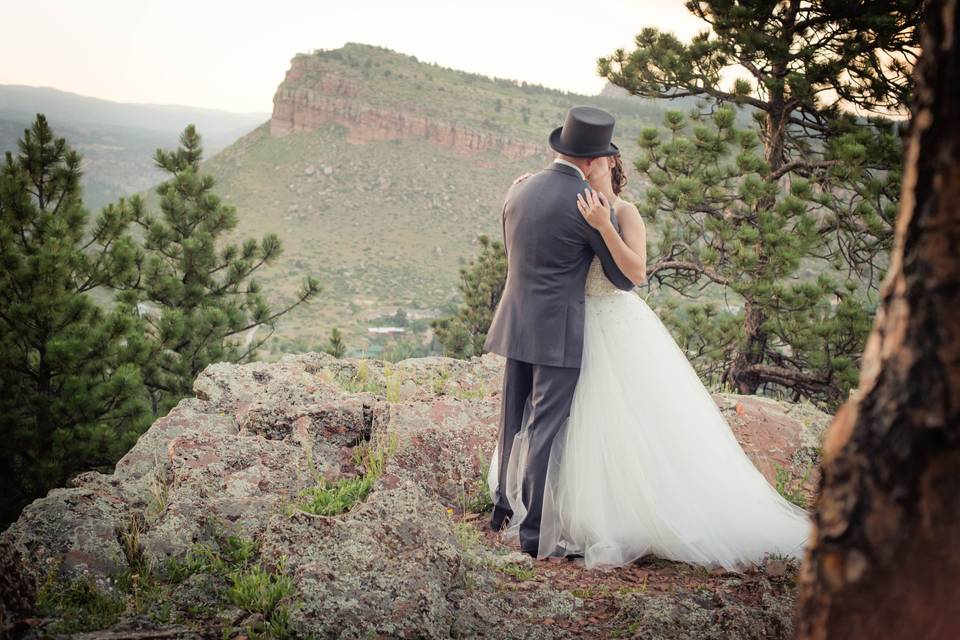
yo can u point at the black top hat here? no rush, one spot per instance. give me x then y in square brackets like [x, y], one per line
[586, 133]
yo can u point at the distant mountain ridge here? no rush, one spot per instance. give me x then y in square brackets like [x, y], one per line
[116, 139]
[162, 118]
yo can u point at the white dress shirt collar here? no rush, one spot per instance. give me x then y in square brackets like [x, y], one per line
[570, 164]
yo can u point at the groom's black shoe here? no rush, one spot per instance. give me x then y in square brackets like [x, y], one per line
[561, 552]
[499, 518]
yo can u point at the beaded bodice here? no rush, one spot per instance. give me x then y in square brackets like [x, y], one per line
[597, 283]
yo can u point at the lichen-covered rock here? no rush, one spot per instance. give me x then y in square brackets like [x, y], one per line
[138, 472]
[384, 567]
[71, 530]
[144, 630]
[402, 562]
[18, 587]
[444, 445]
[702, 616]
[235, 479]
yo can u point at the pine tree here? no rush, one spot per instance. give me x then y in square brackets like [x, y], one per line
[335, 346]
[200, 302]
[724, 224]
[71, 394]
[811, 186]
[481, 285]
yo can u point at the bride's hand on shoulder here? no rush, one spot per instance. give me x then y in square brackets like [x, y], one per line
[595, 209]
[521, 178]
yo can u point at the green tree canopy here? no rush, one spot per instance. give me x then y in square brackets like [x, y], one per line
[773, 217]
[71, 394]
[481, 285]
[199, 301]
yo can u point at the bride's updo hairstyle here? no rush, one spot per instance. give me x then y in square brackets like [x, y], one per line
[618, 178]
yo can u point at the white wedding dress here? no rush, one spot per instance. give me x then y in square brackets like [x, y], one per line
[646, 463]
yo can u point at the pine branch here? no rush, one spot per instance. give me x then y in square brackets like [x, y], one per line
[797, 165]
[681, 265]
[254, 348]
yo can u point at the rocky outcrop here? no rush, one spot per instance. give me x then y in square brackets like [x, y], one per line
[313, 95]
[18, 587]
[408, 560]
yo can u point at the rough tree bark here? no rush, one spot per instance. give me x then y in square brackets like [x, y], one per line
[884, 559]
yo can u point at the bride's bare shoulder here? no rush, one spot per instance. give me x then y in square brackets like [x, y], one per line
[628, 213]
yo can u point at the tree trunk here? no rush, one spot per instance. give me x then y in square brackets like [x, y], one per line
[884, 557]
[748, 353]
[775, 131]
[45, 426]
[751, 348]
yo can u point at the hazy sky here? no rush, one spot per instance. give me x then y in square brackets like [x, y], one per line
[232, 55]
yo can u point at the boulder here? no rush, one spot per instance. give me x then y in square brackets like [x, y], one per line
[405, 560]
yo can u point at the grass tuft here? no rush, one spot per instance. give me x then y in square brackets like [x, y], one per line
[519, 571]
[79, 604]
[334, 498]
[475, 496]
[330, 499]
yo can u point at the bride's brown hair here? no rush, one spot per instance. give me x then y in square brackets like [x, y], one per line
[617, 177]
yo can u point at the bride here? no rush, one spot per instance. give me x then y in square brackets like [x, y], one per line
[646, 463]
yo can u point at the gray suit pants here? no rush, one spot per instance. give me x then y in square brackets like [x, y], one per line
[542, 396]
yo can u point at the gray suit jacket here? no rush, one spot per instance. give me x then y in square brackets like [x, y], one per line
[549, 248]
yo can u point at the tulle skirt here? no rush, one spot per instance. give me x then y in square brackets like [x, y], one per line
[646, 462]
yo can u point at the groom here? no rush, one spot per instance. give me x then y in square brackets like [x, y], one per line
[538, 325]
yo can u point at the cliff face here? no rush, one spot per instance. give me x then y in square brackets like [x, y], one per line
[413, 558]
[314, 94]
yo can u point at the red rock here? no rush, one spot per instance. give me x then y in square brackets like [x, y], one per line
[313, 95]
